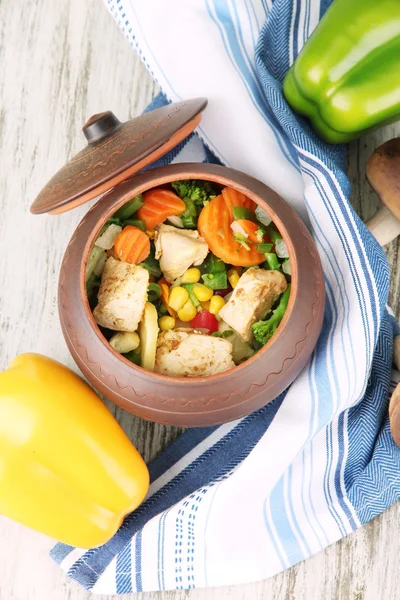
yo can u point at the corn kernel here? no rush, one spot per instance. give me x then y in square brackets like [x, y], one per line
[233, 277]
[216, 303]
[202, 292]
[191, 276]
[205, 305]
[166, 323]
[187, 312]
[151, 234]
[178, 296]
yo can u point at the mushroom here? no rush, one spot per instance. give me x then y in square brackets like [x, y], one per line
[383, 175]
[394, 414]
[396, 351]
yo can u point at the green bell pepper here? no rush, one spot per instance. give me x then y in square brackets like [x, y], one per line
[346, 78]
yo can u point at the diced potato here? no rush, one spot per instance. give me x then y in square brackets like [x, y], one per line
[148, 331]
[124, 342]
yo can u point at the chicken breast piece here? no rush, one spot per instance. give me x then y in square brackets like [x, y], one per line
[178, 249]
[185, 353]
[251, 300]
[122, 296]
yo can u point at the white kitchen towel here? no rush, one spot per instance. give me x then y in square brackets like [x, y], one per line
[243, 501]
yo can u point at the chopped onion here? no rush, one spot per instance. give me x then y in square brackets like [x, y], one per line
[237, 228]
[286, 267]
[107, 239]
[280, 249]
[182, 326]
[201, 330]
[176, 221]
[262, 216]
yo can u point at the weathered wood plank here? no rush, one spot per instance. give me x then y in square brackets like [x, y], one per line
[61, 62]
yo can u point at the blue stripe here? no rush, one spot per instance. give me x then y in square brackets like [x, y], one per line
[124, 571]
[331, 258]
[327, 487]
[325, 4]
[306, 491]
[138, 561]
[306, 30]
[338, 484]
[250, 20]
[296, 9]
[349, 257]
[272, 536]
[224, 23]
[310, 499]
[290, 498]
[282, 525]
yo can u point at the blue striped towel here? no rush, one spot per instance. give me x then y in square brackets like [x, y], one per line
[245, 500]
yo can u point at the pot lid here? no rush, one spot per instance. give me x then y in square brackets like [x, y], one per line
[116, 151]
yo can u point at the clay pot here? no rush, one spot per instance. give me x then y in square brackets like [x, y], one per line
[201, 401]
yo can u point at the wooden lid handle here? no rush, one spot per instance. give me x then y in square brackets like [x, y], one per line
[100, 126]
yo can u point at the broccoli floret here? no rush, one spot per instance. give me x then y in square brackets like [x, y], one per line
[189, 216]
[195, 190]
[264, 330]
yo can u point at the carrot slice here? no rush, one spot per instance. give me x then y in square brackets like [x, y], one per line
[132, 245]
[234, 198]
[251, 230]
[164, 285]
[158, 205]
[214, 226]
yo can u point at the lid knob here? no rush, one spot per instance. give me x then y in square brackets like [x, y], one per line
[100, 126]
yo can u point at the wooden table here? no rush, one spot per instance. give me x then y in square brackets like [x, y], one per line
[61, 62]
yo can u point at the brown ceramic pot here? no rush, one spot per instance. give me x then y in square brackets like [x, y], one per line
[115, 152]
[204, 400]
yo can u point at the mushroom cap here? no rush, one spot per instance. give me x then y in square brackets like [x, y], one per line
[383, 174]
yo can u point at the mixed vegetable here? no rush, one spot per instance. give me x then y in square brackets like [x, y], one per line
[189, 279]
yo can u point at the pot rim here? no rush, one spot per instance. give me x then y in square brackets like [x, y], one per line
[188, 171]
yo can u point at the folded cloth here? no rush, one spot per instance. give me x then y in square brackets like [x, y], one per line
[245, 500]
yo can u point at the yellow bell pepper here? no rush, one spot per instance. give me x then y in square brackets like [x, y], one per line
[67, 469]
